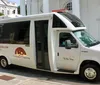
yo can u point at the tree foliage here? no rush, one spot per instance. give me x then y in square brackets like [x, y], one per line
[19, 9]
[1, 14]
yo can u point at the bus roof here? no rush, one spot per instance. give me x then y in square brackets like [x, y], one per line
[43, 16]
[28, 17]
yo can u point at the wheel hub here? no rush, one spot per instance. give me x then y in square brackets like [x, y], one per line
[90, 73]
[3, 62]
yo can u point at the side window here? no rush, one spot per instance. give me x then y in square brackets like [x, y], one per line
[41, 30]
[22, 32]
[66, 36]
[58, 23]
[5, 31]
[15, 33]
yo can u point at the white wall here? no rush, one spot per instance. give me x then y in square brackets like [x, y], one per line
[90, 14]
[40, 6]
[53, 5]
[22, 7]
[57, 4]
[34, 6]
[10, 6]
[6, 8]
[76, 7]
[49, 5]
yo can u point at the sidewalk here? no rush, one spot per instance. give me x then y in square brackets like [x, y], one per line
[10, 79]
[39, 82]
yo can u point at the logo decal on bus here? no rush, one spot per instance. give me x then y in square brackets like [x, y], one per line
[20, 52]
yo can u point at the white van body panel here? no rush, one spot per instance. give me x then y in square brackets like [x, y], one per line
[89, 54]
[29, 60]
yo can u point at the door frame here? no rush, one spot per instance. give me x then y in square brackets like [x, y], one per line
[42, 56]
[79, 47]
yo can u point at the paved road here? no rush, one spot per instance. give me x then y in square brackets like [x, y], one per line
[25, 76]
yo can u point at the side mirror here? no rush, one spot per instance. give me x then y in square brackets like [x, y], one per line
[68, 44]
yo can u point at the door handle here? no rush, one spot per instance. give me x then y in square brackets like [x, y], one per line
[84, 51]
[57, 54]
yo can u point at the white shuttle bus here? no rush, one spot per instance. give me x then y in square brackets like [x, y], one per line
[54, 42]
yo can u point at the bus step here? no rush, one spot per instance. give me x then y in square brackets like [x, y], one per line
[69, 71]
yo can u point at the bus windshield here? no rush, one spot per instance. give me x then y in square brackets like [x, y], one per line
[73, 19]
[86, 39]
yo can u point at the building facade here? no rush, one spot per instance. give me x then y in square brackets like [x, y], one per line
[87, 10]
[8, 8]
[38, 6]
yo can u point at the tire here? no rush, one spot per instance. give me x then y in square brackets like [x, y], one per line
[90, 72]
[3, 62]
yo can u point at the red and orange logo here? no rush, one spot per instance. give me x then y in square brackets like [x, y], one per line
[20, 52]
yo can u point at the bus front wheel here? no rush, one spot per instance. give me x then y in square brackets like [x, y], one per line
[90, 72]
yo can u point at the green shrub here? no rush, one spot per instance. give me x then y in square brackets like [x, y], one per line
[1, 14]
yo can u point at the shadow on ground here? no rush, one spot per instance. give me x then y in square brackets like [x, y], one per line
[60, 78]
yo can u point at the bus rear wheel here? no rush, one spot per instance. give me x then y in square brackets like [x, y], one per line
[90, 72]
[3, 62]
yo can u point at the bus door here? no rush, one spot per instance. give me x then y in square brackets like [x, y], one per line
[41, 40]
[67, 59]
